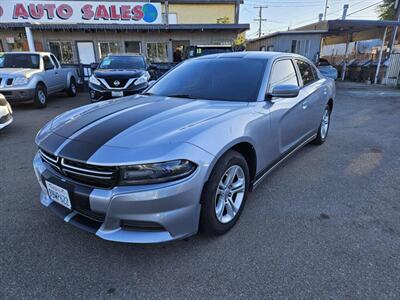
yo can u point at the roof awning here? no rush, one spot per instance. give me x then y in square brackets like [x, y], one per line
[339, 31]
[134, 27]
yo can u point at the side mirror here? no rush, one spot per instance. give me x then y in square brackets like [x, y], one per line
[153, 67]
[284, 91]
[94, 66]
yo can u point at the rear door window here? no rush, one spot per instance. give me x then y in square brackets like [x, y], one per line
[306, 71]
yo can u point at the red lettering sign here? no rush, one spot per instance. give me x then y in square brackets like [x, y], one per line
[36, 11]
[101, 13]
[64, 11]
[137, 13]
[20, 12]
[87, 12]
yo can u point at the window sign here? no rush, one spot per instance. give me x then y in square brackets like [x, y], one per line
[46, 12]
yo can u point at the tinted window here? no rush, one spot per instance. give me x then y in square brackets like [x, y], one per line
[122, 62]
[306, 72]
[283, 72]
[47, 63]
[55, 61]
[231, 79]
[28, 61]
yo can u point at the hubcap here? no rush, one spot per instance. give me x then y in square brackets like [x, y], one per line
[230, 194]
[325, 124]
[42, 96]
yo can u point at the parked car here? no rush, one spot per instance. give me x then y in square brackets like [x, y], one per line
[27, 76]
[327, 69]
[185, 154]
[201, 50]
[119, 75]
[6, 117]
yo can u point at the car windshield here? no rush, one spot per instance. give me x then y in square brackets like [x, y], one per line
[122, 62]
[230, 79]
[26, 61]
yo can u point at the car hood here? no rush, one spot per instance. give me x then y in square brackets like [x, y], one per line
[132, 123]
[122, 74]
[18, 72]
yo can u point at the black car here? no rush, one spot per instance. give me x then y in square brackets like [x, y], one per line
[118, 75]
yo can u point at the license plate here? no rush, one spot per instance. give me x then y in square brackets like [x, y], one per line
[58, 194]
[117, 94]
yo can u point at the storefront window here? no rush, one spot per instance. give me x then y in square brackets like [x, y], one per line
[157, 52]
[106, 48]
[64, 51]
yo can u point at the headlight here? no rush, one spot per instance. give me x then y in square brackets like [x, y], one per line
[9, 108]
[94, 80]
[157, 172]
[20, 81]
[143, 79]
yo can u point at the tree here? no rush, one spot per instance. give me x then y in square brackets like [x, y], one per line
[386, 10]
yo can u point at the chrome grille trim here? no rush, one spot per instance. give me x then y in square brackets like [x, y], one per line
[47, 157]
[84, 170]
[86, 175]
[52, 162]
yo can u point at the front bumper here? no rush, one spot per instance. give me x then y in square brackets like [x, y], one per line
[134, 214]
[98, 93]
[18, 95]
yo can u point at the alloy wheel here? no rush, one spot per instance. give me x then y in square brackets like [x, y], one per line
[230, 194]
[325, 124]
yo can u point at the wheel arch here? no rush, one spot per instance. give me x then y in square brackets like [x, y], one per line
[244, 147]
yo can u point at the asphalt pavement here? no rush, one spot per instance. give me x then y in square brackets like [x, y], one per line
[325, 224]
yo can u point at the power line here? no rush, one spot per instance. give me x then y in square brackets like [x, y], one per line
[354, 12]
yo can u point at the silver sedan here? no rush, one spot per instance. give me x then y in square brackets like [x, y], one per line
[185, 154]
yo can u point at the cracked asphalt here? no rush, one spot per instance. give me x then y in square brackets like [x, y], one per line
[325, 224]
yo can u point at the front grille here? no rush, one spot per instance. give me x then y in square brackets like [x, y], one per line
[85, 173]
[5, 119]
[122, 82]
[10, 81]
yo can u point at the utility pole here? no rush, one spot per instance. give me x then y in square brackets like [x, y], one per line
[326, 9]
[260, 19]
[345, 8]
[395, 28]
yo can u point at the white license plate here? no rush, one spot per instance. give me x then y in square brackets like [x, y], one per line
[58, 194]
[117, 94]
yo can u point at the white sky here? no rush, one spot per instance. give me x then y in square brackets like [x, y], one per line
[283, 13]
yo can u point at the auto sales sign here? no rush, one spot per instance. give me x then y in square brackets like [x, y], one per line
[45, 12]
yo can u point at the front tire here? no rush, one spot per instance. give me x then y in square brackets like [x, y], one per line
[323, 128]
[72, 89]
[40, 99]
[225, 194]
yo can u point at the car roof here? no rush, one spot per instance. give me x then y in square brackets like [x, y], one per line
[251, 55]
[27, 52]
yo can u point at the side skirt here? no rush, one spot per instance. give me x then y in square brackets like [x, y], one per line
[261, 176]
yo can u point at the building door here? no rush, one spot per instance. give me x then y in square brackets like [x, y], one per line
[179, 49]
[133, 47]
[86, 52]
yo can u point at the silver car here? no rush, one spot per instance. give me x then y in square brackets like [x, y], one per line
[184, 155]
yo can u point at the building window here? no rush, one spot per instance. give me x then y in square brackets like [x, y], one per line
[106, 48]
[63, 51]
[133, 47]
[157, 52]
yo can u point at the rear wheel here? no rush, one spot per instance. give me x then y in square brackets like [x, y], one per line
[225, 194]
[40, 99]
[72, 89]
[323, 127]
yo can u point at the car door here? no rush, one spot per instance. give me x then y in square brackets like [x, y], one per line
[50, 77]
[312, 95]
[286, 113]
[60, 80]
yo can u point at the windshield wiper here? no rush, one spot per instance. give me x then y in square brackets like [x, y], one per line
[181, 96]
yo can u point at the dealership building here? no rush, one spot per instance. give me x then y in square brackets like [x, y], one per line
[85, 31]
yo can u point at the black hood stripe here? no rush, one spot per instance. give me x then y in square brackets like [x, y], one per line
[86, 143]
[69, 128]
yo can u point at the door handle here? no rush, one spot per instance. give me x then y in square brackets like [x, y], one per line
[304, 104]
